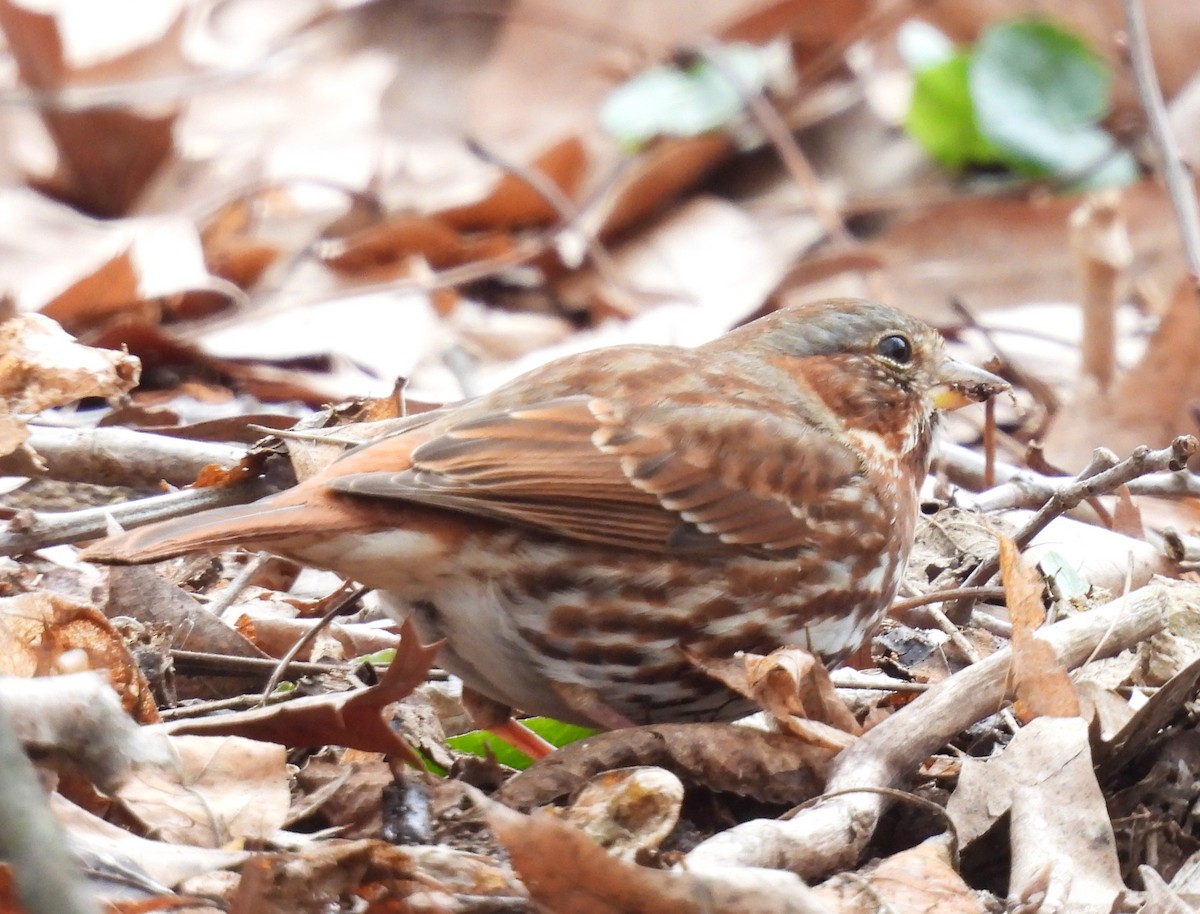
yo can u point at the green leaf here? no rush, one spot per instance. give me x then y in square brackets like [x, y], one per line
[382, 657]
[1038, 94]
[555, 732]
[683, 102]
[941, 116]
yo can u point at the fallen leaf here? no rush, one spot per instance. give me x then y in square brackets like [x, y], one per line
[354, 719]
[42, 366]
[920, 880]
[1040, 682]
[219, 790]
[38, 632]
[627, 811]
[565, 871]
[771, 767]
[1044, 777]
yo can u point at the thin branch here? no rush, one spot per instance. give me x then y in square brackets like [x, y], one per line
[780, 136]
[123, 457]
[570, 215]
[235, 587]
[1180, 186]
[346, 596]
[32, 531]
[204, 663]
[1024, 488]
[1091, 482]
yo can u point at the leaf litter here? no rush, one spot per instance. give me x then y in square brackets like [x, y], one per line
[303, 223]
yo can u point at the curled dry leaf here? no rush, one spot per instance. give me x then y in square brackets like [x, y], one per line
[628, 810]
[793, 687]
[166, 863]
[376, 876]
[106, 153]
[42, 366]
[38, 629]
[771, 767]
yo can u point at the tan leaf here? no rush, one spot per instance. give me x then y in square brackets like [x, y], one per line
[1040, 682]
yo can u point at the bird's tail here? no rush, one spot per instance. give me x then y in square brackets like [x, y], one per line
[217, 528]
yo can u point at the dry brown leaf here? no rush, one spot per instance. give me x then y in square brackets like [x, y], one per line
[374, 876]
[344, 787]
[1060, 822]
[920, 880]
[143, 594]
[1040, 682]
[1126, 516]
[109, 291]
[165, 862]
[565, 871]
[230, 250]
[514, 203]
[39, 631]
[42, 366]
[772, 767]
[354, 719]
[793, 687]
[384, 249]
[106, 154]
[220, 790]
[627, 811]
[9, 902]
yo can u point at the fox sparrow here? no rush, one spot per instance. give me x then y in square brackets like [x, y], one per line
[575, 533]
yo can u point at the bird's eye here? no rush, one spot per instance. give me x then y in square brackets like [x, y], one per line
[895, 348]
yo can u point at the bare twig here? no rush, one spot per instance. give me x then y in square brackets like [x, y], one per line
[570, 215]
[967, 649]
[1090, 483]
[122, 457]
[1023, 488]
[1103, 253]
[780, 137]
[945, 596]
[1180, 187]
[349, 595]
[204, 663]
[225, 599]
[38, 530]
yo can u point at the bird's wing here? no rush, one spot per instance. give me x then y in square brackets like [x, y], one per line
[688, 479]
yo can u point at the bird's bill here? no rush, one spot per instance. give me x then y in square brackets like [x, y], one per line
[959, 384]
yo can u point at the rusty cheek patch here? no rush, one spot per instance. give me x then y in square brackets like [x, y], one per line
[865, 396]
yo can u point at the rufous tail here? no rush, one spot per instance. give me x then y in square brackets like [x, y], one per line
[217, 528]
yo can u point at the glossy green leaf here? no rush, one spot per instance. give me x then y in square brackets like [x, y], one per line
[1038, 94]
[941, 116]
[555, 732]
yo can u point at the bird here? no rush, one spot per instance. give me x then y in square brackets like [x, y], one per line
[577, 537]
